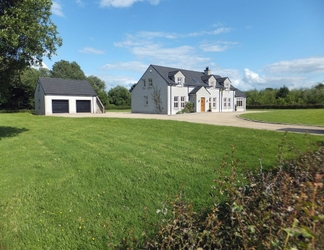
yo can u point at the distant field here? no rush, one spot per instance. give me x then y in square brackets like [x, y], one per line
[293, 116]
[82, 183]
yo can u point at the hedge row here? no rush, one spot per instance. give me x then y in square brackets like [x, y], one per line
[314, 106]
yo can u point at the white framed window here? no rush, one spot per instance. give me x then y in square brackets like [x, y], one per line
[229, 102]
[176, 102]
[225, 102]
[182, 103]
[214, 102]
[179, 80]
[150, 82]
[144, 83]
[239, 102]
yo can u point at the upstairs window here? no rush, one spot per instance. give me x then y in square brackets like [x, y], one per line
[144, 83]
[150, 82]
[179, 80]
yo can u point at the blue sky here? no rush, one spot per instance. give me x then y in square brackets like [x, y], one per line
[257, 44]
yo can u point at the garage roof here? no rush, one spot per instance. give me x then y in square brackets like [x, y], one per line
[59, 86]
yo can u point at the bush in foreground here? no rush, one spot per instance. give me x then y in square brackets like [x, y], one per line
[278, 209]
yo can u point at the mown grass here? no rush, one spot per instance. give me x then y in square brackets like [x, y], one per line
[83, 183]
[293, 116]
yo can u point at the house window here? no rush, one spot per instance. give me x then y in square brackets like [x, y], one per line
[214, 102]
[182, 101]
[144, 83]
[239, 102]
[227, 86]
[229, 102]
[213, 84]
[146, 100]
[179, 81]
[150, 82]
[225, 102]
[176, 102]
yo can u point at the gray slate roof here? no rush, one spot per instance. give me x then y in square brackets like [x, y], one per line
[193, 78]
[66, 87]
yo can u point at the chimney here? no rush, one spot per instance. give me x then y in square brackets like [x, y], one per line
[207, 71]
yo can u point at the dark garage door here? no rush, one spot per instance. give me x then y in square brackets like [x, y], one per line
[83, 106]
[60, 106]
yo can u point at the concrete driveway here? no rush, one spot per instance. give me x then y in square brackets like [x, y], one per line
[221, 119]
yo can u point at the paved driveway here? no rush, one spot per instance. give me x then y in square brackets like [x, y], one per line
[221, 119]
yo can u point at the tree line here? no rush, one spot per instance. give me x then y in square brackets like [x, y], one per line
[20, 93]
[283, 97]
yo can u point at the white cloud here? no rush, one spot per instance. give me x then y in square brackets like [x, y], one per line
[135, 66]
[113, 81]
[90, 50]
[57, 9]
[218, 46]
[124, 3]
[253, 78]
[80, 3]
[305, 65]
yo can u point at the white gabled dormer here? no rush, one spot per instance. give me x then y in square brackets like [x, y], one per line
[177, 77]
[227, 84]
[212, 82]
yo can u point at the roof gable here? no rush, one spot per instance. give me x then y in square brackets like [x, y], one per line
[59, 86]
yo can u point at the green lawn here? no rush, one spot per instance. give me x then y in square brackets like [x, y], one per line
[82, 183]
[291, 116]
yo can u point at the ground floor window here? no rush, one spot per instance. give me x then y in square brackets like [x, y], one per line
[239, 102]
[146, 100]
[214, 102]
[176, 102]
[225, 102]
[183, 101]
[229, 102]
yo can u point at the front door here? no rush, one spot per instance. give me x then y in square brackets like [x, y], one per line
[202, 104]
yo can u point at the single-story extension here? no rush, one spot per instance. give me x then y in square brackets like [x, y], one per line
[165, 90]
[56, 95]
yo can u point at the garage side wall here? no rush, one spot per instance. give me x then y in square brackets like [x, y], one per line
[72, 103]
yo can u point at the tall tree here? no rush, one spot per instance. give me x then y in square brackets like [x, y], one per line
[119, 96]
[99, 86]
[27, 34]
[67, 70]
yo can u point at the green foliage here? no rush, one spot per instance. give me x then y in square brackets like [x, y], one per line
[99, 86]
[278, 209]
[282, 97]
[66, 70]
[119, 96]
[26, 35]
[188, 108]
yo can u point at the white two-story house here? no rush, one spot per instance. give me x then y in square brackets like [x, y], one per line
[165, 90]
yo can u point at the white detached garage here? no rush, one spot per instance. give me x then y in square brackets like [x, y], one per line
[57, 95]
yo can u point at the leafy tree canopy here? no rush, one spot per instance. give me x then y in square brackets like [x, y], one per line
[26, 35]
[119, 96]
[67, 70]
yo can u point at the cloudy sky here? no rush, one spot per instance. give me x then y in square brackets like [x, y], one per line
[257, 44]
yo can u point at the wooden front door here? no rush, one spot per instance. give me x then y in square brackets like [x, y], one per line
[202, 104]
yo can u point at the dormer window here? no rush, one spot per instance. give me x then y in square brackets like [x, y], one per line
[227, 86]
[213, 84]
[179, 80]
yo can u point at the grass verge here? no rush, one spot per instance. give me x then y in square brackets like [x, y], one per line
[303, 116]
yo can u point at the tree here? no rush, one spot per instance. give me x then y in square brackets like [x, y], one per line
[119, 96]
[282, 93]
[26, 35]
[99, 86]
[67, 70]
